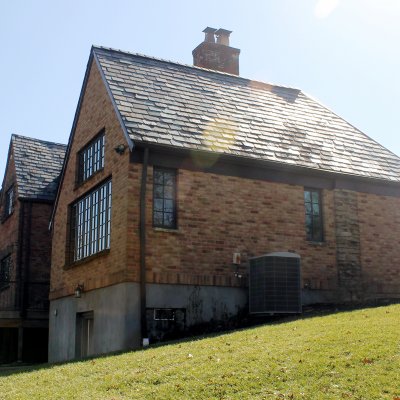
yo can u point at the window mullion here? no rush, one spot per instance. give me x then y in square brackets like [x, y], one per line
[98, 236]
[108, 215]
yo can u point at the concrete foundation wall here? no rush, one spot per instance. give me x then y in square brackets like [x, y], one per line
[116, 314]
[202, 303]
[116, 321]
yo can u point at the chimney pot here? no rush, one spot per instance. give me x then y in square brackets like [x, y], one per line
[223, 36]
[210, 38]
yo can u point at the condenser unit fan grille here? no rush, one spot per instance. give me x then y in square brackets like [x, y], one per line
[275, 284]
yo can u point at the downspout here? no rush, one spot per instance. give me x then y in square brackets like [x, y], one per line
[27, 260]
[143, 320]
[19, 278]
[19, 298]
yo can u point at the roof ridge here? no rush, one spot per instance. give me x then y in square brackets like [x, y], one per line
[14, 135]
[129, 53]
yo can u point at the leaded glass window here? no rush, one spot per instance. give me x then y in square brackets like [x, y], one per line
[314, 226]
[164, 198]
[9, 202]
[91, 158]
[91, 223]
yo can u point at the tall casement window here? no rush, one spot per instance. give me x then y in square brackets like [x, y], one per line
[313, 209]
[164, 198]
[91, 158]
[5, 271]
[91, 223]
[9, 202]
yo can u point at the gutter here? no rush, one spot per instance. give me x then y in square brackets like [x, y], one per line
[27, 259]
[143, 300]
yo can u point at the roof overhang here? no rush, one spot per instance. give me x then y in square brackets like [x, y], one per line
[253, 168]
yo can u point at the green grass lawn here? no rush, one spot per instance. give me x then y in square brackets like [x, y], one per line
[345, 355]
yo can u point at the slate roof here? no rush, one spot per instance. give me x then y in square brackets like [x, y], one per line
[171, 104]
[38, 166]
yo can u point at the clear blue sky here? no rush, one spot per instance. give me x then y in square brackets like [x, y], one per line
[345, 53]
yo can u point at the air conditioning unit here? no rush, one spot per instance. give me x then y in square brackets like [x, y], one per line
[275, 284]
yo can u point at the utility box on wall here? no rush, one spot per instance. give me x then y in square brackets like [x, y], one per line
[275, 284]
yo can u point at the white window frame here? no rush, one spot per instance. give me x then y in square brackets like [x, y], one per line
[91, 158]
[91, 222]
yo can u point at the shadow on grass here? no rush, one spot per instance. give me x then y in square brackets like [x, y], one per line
[207, 332]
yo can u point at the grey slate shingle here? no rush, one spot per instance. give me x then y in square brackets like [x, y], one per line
[38, 166]
[188, 107]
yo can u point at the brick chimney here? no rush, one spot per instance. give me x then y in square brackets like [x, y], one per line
[217, 55]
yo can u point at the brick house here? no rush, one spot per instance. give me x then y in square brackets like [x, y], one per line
[172, 169]
[27, 196]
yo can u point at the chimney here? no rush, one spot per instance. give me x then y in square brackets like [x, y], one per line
[218, 55]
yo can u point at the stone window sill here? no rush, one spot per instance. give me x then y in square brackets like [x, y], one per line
[317, 243]
[86, 259]
[168, 230]
[79, 184]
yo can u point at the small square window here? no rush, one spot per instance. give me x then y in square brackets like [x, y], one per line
[91, 158]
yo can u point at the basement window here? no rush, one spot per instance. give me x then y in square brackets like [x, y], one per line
[91, 158]
[91, 223]
[313, 211]
[164, 314]
[164, 198]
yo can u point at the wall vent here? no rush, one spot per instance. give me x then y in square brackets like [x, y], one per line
[275, 284]
[164, 314]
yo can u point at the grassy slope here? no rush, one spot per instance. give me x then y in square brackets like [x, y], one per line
[351, 355]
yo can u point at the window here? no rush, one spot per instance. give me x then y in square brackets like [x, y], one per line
[5, 271]
[164, 198]
[164, 314]
[91, 223]
[9, 202]
[91, 158]
[312, 203]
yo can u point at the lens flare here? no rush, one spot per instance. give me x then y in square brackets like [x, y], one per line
[324, 8]
[218, 138]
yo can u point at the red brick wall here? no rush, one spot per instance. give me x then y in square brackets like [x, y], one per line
[40, 242]
[96, 113]
[380, 244]
[348, 243]
[9, 226]
[31, 247]
[220, 215]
